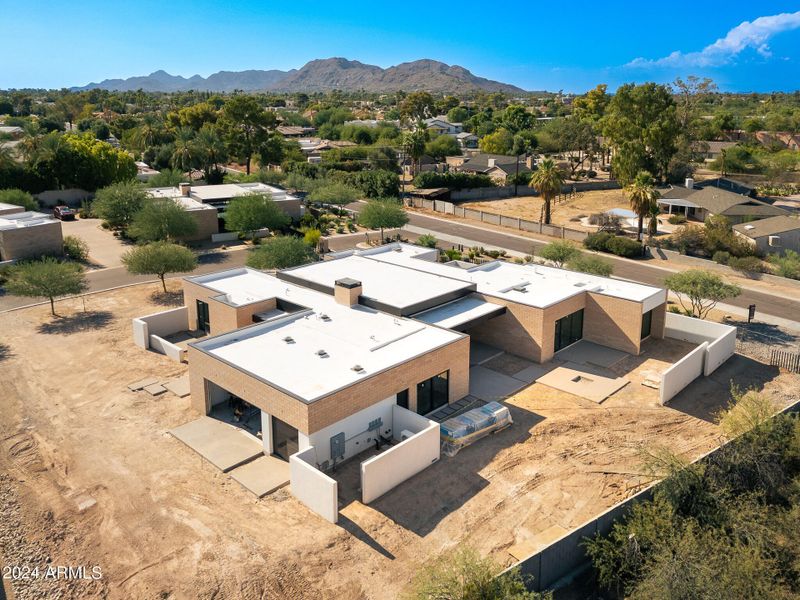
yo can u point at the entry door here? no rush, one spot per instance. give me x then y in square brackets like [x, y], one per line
[202, 316]
[284, 439]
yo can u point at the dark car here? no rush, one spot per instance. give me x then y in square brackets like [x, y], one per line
[65, 213]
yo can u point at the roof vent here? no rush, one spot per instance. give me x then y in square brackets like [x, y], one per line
[521, 288]
[289, 339]
[357, 368]
[324, 317]
[322, 354]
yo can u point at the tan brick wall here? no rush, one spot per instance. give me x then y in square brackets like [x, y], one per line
[553, 314]
[613, 322]
[309, 418]
[518, 331]
[207, 224]
[31, 242]
[346, 296]
[659, 321]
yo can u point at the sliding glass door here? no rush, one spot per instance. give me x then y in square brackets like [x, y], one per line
[569, 330]
[433, 393]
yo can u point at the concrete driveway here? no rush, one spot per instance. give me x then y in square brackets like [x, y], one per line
[105, 250]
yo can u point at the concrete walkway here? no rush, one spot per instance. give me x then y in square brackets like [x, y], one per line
[223, 445]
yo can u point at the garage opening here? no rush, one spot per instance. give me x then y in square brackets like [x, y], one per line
[231, 409]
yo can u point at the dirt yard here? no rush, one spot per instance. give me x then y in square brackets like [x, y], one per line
[566, 212]
[90, 477]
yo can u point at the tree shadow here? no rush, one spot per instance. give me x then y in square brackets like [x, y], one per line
[172, 298]
[765, 333]
[84, 321]
[213, 258]
[5, 352]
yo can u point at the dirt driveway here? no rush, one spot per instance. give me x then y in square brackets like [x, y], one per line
[105, 249]
[89, 475]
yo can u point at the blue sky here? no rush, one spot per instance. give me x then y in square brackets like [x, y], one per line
[743, 46]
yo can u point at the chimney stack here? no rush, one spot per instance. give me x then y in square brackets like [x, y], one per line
[347, 291]
[689, 183]
[185, 188]
[491, 162]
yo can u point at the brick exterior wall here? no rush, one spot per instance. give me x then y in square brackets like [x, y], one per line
[31, 242]
[613, 322]
[222, 317]
[309, 418]
[207, 224]
[659, 321]
[346, 296]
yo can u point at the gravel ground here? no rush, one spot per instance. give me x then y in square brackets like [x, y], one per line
[757, 340]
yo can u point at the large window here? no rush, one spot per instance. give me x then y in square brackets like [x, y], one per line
[202, 316]
[569, 330]
[402, 398]
[433, 393]
[647, 323]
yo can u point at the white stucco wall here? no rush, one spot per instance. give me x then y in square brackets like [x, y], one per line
[161, 345]
[682, 373]
[161, 324]
[266, 432]
[721, 338]
[141, 336]
[389, 469]
[719, 351]
[355, 431]
[312, 487]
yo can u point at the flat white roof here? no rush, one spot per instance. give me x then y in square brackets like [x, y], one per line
[25, 219]
[6, 206]
[389, 284]
[534, 285]
[459, 312]
[349, 336]
[208, 193]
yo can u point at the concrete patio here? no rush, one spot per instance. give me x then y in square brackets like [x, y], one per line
[223, 445]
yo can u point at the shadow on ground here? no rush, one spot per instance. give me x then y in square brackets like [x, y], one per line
[706, 397]
[5, 352]
[213, 258]
[764, 333]
[84, 321]
[162, 298]
[356, 531]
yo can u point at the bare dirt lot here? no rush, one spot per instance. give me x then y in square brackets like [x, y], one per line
[89, 475]
[563, 212]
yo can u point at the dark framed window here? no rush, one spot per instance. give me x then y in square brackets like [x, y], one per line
[202, 316]
[569, 330]
[402, 398]
[433, 393]
[647, 323]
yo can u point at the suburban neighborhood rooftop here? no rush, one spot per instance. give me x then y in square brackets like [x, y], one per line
[24, 219]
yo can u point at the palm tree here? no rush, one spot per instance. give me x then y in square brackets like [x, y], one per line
[643, 197]
[184, 157]
[211, 151]
[548, 181]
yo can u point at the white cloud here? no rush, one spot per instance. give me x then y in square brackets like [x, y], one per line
[749, 34]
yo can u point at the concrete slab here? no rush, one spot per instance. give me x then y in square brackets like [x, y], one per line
[492, 386]
[142, 383]
[592, 383]
[533, 372]
[480, 353]
[223, 445]
[589, 353]
[155, 389]
[179, 386]
[262, 476]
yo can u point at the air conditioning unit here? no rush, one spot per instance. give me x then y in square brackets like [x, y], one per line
[774, 240]
[405, 434]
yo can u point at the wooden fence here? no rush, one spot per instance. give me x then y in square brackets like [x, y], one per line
[785, 360]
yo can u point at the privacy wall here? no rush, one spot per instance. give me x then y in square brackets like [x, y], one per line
[682, 373]
[721, 338]
[312, 487]
[160, 324]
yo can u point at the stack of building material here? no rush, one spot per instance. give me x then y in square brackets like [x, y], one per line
[463, 430]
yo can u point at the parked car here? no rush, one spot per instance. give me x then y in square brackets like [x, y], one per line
[65, 213]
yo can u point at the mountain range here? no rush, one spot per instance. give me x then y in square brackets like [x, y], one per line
[320, 75]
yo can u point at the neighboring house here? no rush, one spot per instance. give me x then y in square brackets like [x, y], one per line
[772, 235]
[440, 125]
[28, 234]
[12, 130]
[467, 140]
[294, 131]
[710, 149]
[716, 198]
[371, 122]
[207, 203]
[144, 172]
[497, 166]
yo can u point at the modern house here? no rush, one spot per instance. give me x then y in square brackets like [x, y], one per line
[772, 235]
[27, 234]
[440, 125]
[467, 141]
[207, 203]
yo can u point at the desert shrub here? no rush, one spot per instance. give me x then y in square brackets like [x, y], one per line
[747, 265]
[677, 219]
[787, 265]
[452, 254]
[312, 236]
[427, 240]
[688, 239]
[622, 246]
[721, 257]
[597, 241]
[76, 248]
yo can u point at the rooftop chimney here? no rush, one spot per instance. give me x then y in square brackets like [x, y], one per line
[689, 183]
[185, 188]
[491, 162]
[347, 291]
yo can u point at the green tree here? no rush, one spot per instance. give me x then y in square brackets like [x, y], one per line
[642, 196]
[159, 258]
[463, 575]
[459, 114]
[592, 106]
[162, 219]
[18, 197]
[210, 153]
[417, 106]
[499, 142]
[281, 252]
[118, 203]
[47, 278]
[185, 152]
[441, 147]
[70, 106]
[559, 253]
[413, 143]
[166, 178]
[594, 265]
[641, 125]
[548, 181]
[701, 289]
[382, 213]
[247, 214]
[246, 126]
[334, 192]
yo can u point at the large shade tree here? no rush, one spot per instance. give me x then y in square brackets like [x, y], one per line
[47, 278]
[247, 214]
[246, 126]
[382, 213]
[162, 219]
[159, 258]
[281, 252]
